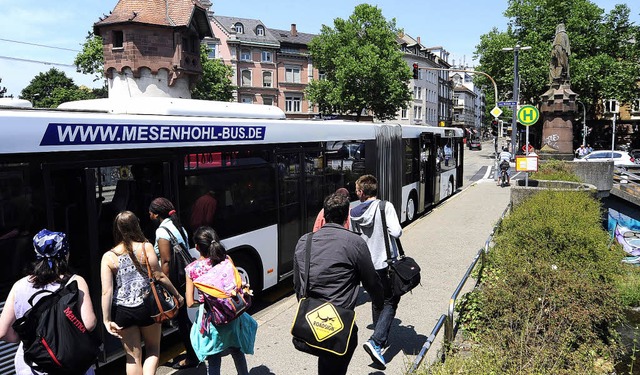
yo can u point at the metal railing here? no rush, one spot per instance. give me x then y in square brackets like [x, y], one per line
[447, 320]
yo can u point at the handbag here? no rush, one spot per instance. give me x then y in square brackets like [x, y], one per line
[320, 327]
[159, 302]
[404, 272]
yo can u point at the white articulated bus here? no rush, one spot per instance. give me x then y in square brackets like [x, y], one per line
[74, 168]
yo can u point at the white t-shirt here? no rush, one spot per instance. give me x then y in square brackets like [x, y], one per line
[505, 155]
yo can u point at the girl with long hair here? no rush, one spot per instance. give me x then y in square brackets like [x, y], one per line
[48, 272]
[124, 313]
[236, 337]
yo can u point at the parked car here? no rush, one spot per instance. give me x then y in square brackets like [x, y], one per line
[475, 144]
[621, 159]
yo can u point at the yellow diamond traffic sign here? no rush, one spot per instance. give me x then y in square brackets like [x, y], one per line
[324, 321]
[528, 115]
[496, 112]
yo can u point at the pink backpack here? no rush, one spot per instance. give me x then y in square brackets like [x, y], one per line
[224, 296]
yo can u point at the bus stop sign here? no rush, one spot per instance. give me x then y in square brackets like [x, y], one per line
[528, 115]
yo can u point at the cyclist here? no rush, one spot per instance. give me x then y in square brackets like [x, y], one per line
[504, 159]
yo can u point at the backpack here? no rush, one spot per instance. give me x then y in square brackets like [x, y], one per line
[224, 296]
[53, 335]
[180, 258]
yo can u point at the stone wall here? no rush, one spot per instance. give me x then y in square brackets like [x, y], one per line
[520, 193]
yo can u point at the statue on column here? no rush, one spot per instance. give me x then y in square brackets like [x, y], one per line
[560, 52]
[558, 104]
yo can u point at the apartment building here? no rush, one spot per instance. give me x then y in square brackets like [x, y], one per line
[250, 49]
[295, 71]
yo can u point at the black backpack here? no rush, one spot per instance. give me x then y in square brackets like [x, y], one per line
[180, 259]
[54, 338]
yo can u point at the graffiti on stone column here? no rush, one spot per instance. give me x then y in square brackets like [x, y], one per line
[552, 141]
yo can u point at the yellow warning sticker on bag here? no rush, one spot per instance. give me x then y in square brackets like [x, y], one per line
[324, 321]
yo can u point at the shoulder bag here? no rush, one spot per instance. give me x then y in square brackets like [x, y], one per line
[320, 327]
[158, 301]
[404, 272]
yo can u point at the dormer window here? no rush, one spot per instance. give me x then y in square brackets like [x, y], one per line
[260, 30]
[239, 28]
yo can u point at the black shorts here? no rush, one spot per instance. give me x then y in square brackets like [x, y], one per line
[127, 317]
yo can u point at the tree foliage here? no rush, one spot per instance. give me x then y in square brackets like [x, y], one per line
[604, 50]
[362, 64]
[91, 59]
[48, 90]
[215, 83]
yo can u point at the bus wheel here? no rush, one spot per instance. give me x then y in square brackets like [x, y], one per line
[450, 188]
[248, 270]
[411, 207]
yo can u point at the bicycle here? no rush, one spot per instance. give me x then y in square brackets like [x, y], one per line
[504, 178]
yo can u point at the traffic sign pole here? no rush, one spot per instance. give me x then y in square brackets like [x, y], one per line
[527, 115]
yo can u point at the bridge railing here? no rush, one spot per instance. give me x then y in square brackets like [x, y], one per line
[447, 320]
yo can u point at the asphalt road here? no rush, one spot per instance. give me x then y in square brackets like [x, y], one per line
[443, 242]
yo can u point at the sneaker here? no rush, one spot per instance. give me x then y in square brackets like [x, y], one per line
[375, 352]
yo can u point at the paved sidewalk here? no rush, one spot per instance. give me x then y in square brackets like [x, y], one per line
[443, 242]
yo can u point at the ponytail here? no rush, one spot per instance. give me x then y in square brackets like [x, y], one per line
[209, 245]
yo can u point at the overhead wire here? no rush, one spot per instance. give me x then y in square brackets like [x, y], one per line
[38, 61]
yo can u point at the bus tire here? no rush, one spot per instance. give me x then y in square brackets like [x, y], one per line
[249, 269]
[412, 207]
[450, 188]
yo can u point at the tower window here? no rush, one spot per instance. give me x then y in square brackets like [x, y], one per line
[118, 39]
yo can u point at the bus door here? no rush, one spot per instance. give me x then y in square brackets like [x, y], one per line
[82, 200]
[429, 179]
[300, 198]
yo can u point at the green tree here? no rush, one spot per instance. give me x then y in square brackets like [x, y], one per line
[604, 56]
[91, 59]
[362, 64]
[40, 89]
[215, 83]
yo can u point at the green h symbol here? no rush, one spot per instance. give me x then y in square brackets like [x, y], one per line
[528, 114]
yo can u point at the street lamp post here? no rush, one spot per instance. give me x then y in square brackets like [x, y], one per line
[516, 92]
[584, 123]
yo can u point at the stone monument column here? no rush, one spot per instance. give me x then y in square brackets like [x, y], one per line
[558, 105]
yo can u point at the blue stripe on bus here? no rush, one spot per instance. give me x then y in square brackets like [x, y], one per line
[77, 134]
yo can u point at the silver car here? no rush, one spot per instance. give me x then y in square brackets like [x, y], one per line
[621, 159]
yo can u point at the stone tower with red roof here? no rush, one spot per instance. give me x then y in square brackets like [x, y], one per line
[152, 47]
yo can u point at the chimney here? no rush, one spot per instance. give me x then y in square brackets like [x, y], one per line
[418, 40]
[294, 31]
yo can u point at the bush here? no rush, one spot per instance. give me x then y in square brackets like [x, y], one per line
[555, 170]
[548, 303]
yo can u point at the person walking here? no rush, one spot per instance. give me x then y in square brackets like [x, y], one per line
[163, 213]
[339, 262]
[49, 270]
[366, 220]
[236, 337]
[320, 221]
[124, 283]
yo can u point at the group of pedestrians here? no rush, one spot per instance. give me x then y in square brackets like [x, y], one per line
[125, 283]
[349, 249]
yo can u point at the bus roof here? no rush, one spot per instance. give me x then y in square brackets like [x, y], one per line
[176, 107]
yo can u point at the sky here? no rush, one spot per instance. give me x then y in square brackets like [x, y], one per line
[29, 30]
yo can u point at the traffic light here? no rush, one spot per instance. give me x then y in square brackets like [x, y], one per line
[415, 70]
[494, 127]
